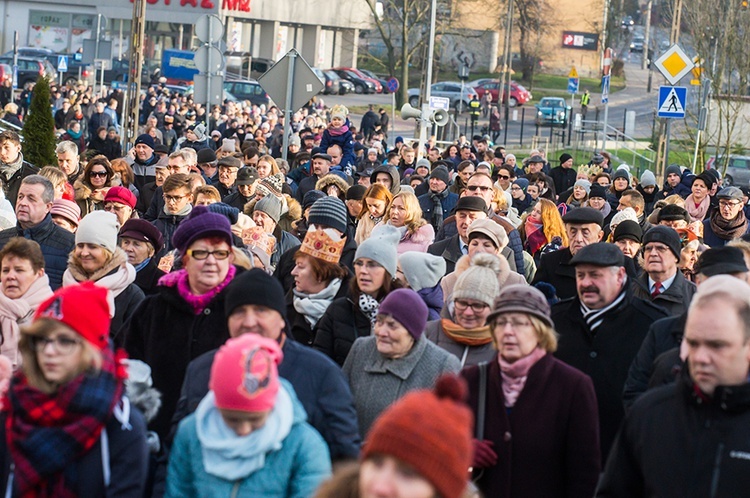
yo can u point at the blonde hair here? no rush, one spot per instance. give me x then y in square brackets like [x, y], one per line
[546, 336]
[675, 199]
[379, 192]
[501, 203]
[270, 160]
[414, 220]
[91, 358]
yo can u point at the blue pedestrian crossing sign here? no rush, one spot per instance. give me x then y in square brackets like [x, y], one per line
[672, 100]
[573, 85]
[62, 64]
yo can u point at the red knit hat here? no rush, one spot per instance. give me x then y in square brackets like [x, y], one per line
[82, 307]
[244, 375]
[121, 195]
[430, 431]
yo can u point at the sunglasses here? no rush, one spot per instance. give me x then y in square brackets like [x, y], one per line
[474, 188]
[503, 177]
[100, 174]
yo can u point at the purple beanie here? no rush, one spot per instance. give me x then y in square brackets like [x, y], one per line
[201, 223]
[408, 309]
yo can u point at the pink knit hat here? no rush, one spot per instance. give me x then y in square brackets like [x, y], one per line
[244, 375]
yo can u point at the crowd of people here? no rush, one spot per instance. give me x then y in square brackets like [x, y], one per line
[198, 317]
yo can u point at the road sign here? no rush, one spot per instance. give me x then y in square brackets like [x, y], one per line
[573, 74]
[304, 85]
[93, 50]
[573, 85]
[672, 101]
[440, 103]
[605, 89]
[62, 64]
[674, 64]
[201, 89]
[463, 72]
[209, 29]
[392, 85]
[206, 53]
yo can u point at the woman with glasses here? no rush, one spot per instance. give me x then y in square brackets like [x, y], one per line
[729, 221]
[538, 432]
[185, 317]
[97, 258]
[405, 214]
[396, 359]
[353, 316]
[67, 428]
[92, 186]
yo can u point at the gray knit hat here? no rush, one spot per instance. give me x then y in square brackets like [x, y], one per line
[381, 248]
[648, 179]
[422, 270]
[479, 281]
[271, 205]
[100, 228]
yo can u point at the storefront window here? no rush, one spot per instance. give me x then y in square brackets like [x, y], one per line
[59, 31]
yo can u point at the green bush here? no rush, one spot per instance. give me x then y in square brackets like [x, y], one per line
[39, 127]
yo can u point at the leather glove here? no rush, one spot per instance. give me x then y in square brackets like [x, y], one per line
[484, 454]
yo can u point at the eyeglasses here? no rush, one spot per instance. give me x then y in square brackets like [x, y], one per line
[728, 204]
[63, 345]
[173, 198]
[100, 174]
[474, 188]
[461, 305]
[370, 265]
[516, 188]
[201, 254]
[514, 323]
[503, 177]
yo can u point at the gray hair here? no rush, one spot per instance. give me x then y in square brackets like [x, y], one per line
[187, 154]
[66, 146]
[48, 195]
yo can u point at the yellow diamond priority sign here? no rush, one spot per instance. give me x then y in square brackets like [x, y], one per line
[674, 64]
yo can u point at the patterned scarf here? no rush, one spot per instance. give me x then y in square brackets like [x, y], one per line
[729, 229]
[179, 279]
[467, 337]
[535, 238]
[369, 306]
[594, 318]
[437, 210]
[47, 432]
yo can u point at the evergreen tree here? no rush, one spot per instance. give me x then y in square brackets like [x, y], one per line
[39, 127]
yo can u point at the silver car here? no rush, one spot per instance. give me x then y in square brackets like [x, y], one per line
[737, 171]
[448, 89]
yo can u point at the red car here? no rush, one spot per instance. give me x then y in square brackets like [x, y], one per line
[518, 94]
[359, 74]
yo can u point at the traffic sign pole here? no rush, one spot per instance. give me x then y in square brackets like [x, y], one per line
[288, 108]
[606, 67]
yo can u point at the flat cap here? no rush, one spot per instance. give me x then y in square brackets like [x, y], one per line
[536, 159]
[732, 193]
[230, 162]
[599, 254]
[324, 156]
[721, 261]
[584, 215]
[471, 203]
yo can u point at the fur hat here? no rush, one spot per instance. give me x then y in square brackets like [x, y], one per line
[339, 111]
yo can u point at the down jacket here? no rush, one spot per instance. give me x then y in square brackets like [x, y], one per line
[338, 328]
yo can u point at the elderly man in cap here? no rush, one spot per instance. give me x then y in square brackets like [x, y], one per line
[535, 164]
[662, 281]
[228, 168]
[142, 159]
[692, 439]
[438, 202]
[255, 304]
[321, 166]
[583, 227]
[729, 221]
[564, 176]
[246, 178]
[673, 216]
[208, 164]
[601, 329]
[660, 350]
[468, 209]
[628, 236]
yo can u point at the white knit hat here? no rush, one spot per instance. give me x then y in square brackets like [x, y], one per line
[100, 228]
[479, 281]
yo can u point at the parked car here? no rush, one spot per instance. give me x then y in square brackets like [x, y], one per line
[552, 111]
[737, 171]
[247, 90]
[362, 83]
[119, 72]
[518, 94]
[258, 66]
[383, 82]
[30, 68]
[76, 69]
[332, 86]
[447, 89]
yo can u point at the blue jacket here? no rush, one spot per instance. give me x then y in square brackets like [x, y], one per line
[346, 142]
[294, 471]
[711, 239]
[56, 244]
[449, 202]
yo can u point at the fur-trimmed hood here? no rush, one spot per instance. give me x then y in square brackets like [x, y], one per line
[292, 214]
[83, 190]
[332, 179]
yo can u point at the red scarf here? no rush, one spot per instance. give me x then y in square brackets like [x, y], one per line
[535, 238]
[47, 433]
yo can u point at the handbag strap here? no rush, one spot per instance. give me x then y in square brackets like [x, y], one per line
[482, 403]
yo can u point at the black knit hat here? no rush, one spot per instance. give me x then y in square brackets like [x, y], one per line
[329, 211]
[310, 197]
[721, 261]
[628, 229]
[598, 191]
[356, 192]
[255, 287]
[667, 236]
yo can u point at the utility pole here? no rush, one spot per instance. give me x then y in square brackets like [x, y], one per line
[507, 63]
[647, 38]
[428, 83]
[133, 96]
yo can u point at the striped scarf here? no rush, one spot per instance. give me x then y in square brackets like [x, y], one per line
[594, 318]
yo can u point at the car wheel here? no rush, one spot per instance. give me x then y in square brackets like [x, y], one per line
[414, 101]
[513, 102]
[70, 80]
[728, 181]
[359, 89]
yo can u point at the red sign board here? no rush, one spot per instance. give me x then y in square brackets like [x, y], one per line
[236, 5]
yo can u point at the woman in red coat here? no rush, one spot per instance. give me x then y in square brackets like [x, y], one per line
[538, 434]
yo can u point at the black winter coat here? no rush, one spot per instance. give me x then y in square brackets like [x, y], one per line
[605, 355]
[663, 335]
[146, 195]
[148, 276]
[298, 325]
[675, 299]
[338, 328]
[555, 269]
[283, 271]
[563, 179]
[128, 460]
[675, 443]
[320, 386]
[156, 205]
[167, 224]
[125, 305]
[165, 333]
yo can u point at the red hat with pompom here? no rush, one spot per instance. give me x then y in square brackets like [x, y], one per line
[431, 432]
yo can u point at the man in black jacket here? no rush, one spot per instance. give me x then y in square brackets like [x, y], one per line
[602, 328]
[693, 439]
[13, 168]
[255, 304]
[564, 176]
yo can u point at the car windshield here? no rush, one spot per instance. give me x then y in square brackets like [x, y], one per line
[352, 74]
[331, 75]
[550, 103]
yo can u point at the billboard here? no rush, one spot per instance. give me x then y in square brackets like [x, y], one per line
[580, 41]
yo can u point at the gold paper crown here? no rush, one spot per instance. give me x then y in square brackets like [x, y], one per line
[320, 245]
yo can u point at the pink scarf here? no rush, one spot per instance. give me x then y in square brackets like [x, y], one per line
[697, 213]
[179, 279]
[15, 312]
[515, 374]
[337, 132]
